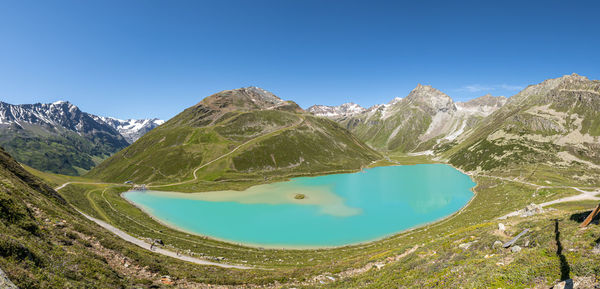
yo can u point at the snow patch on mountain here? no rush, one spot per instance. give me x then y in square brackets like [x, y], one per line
[132, 129]
[344, 110]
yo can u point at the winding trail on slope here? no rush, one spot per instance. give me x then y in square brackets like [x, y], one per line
[155, 249]
[161, 251]
[85, 183]
[300, 121]
[141, 243]
[585, 195]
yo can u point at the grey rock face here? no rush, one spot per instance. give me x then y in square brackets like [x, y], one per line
[5, 283]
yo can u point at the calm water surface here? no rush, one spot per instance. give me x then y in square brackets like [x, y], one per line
[339, 209]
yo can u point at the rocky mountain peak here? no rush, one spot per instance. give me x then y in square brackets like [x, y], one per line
[245, 98]
[547, 85]
[261, 95]
[430, 99]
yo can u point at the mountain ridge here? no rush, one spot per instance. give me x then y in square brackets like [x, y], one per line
[555, 123]
[58, 137]
[417, 122]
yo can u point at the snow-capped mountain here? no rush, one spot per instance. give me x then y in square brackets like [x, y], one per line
[132, 129]
[60, 138]
[60, 115]
[344, 110]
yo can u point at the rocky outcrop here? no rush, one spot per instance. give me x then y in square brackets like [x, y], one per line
[5, 283]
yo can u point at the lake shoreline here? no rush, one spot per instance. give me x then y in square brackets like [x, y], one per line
[150, 213]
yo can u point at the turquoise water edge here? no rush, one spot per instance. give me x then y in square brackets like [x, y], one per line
[338, 210]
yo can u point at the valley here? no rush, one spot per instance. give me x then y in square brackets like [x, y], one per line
[539, 146]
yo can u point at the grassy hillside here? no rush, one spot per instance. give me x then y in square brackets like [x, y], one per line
[64, 153]
[233, 134]
[553, 124]
[45, 244]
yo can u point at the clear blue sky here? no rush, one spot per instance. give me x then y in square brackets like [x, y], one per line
[154, 58]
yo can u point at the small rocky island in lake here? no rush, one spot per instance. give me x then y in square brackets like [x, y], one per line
[300, 196]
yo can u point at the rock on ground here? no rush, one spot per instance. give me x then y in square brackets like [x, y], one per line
[530, 210]
[5, 283]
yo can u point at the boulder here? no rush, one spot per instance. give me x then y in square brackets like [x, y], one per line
[501, 227]
[530, 210]
[515, 249]
[466, 246]
[497, 244]
[567, 284]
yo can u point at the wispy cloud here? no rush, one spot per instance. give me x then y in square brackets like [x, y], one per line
[475, 88]
[481, 87]
[510, 87]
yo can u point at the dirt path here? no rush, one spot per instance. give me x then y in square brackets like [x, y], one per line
[585, 195]
[85, 183]
[227, 154]
[155, 249]
[148, 246]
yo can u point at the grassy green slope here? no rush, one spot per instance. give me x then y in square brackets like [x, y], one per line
[65, 153]
[44, 243]
[557, 116]
[257, 140]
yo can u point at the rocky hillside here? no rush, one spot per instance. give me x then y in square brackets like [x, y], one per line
[45, 243]
[424, 119]
[554, 123]
[246, 132]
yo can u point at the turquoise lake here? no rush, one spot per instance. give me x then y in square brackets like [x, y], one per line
[338, 209]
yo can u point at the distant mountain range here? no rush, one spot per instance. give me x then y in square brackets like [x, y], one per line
[132, 129]
[251, 131]
[418, 122]
[554, 124]
[58, 137]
